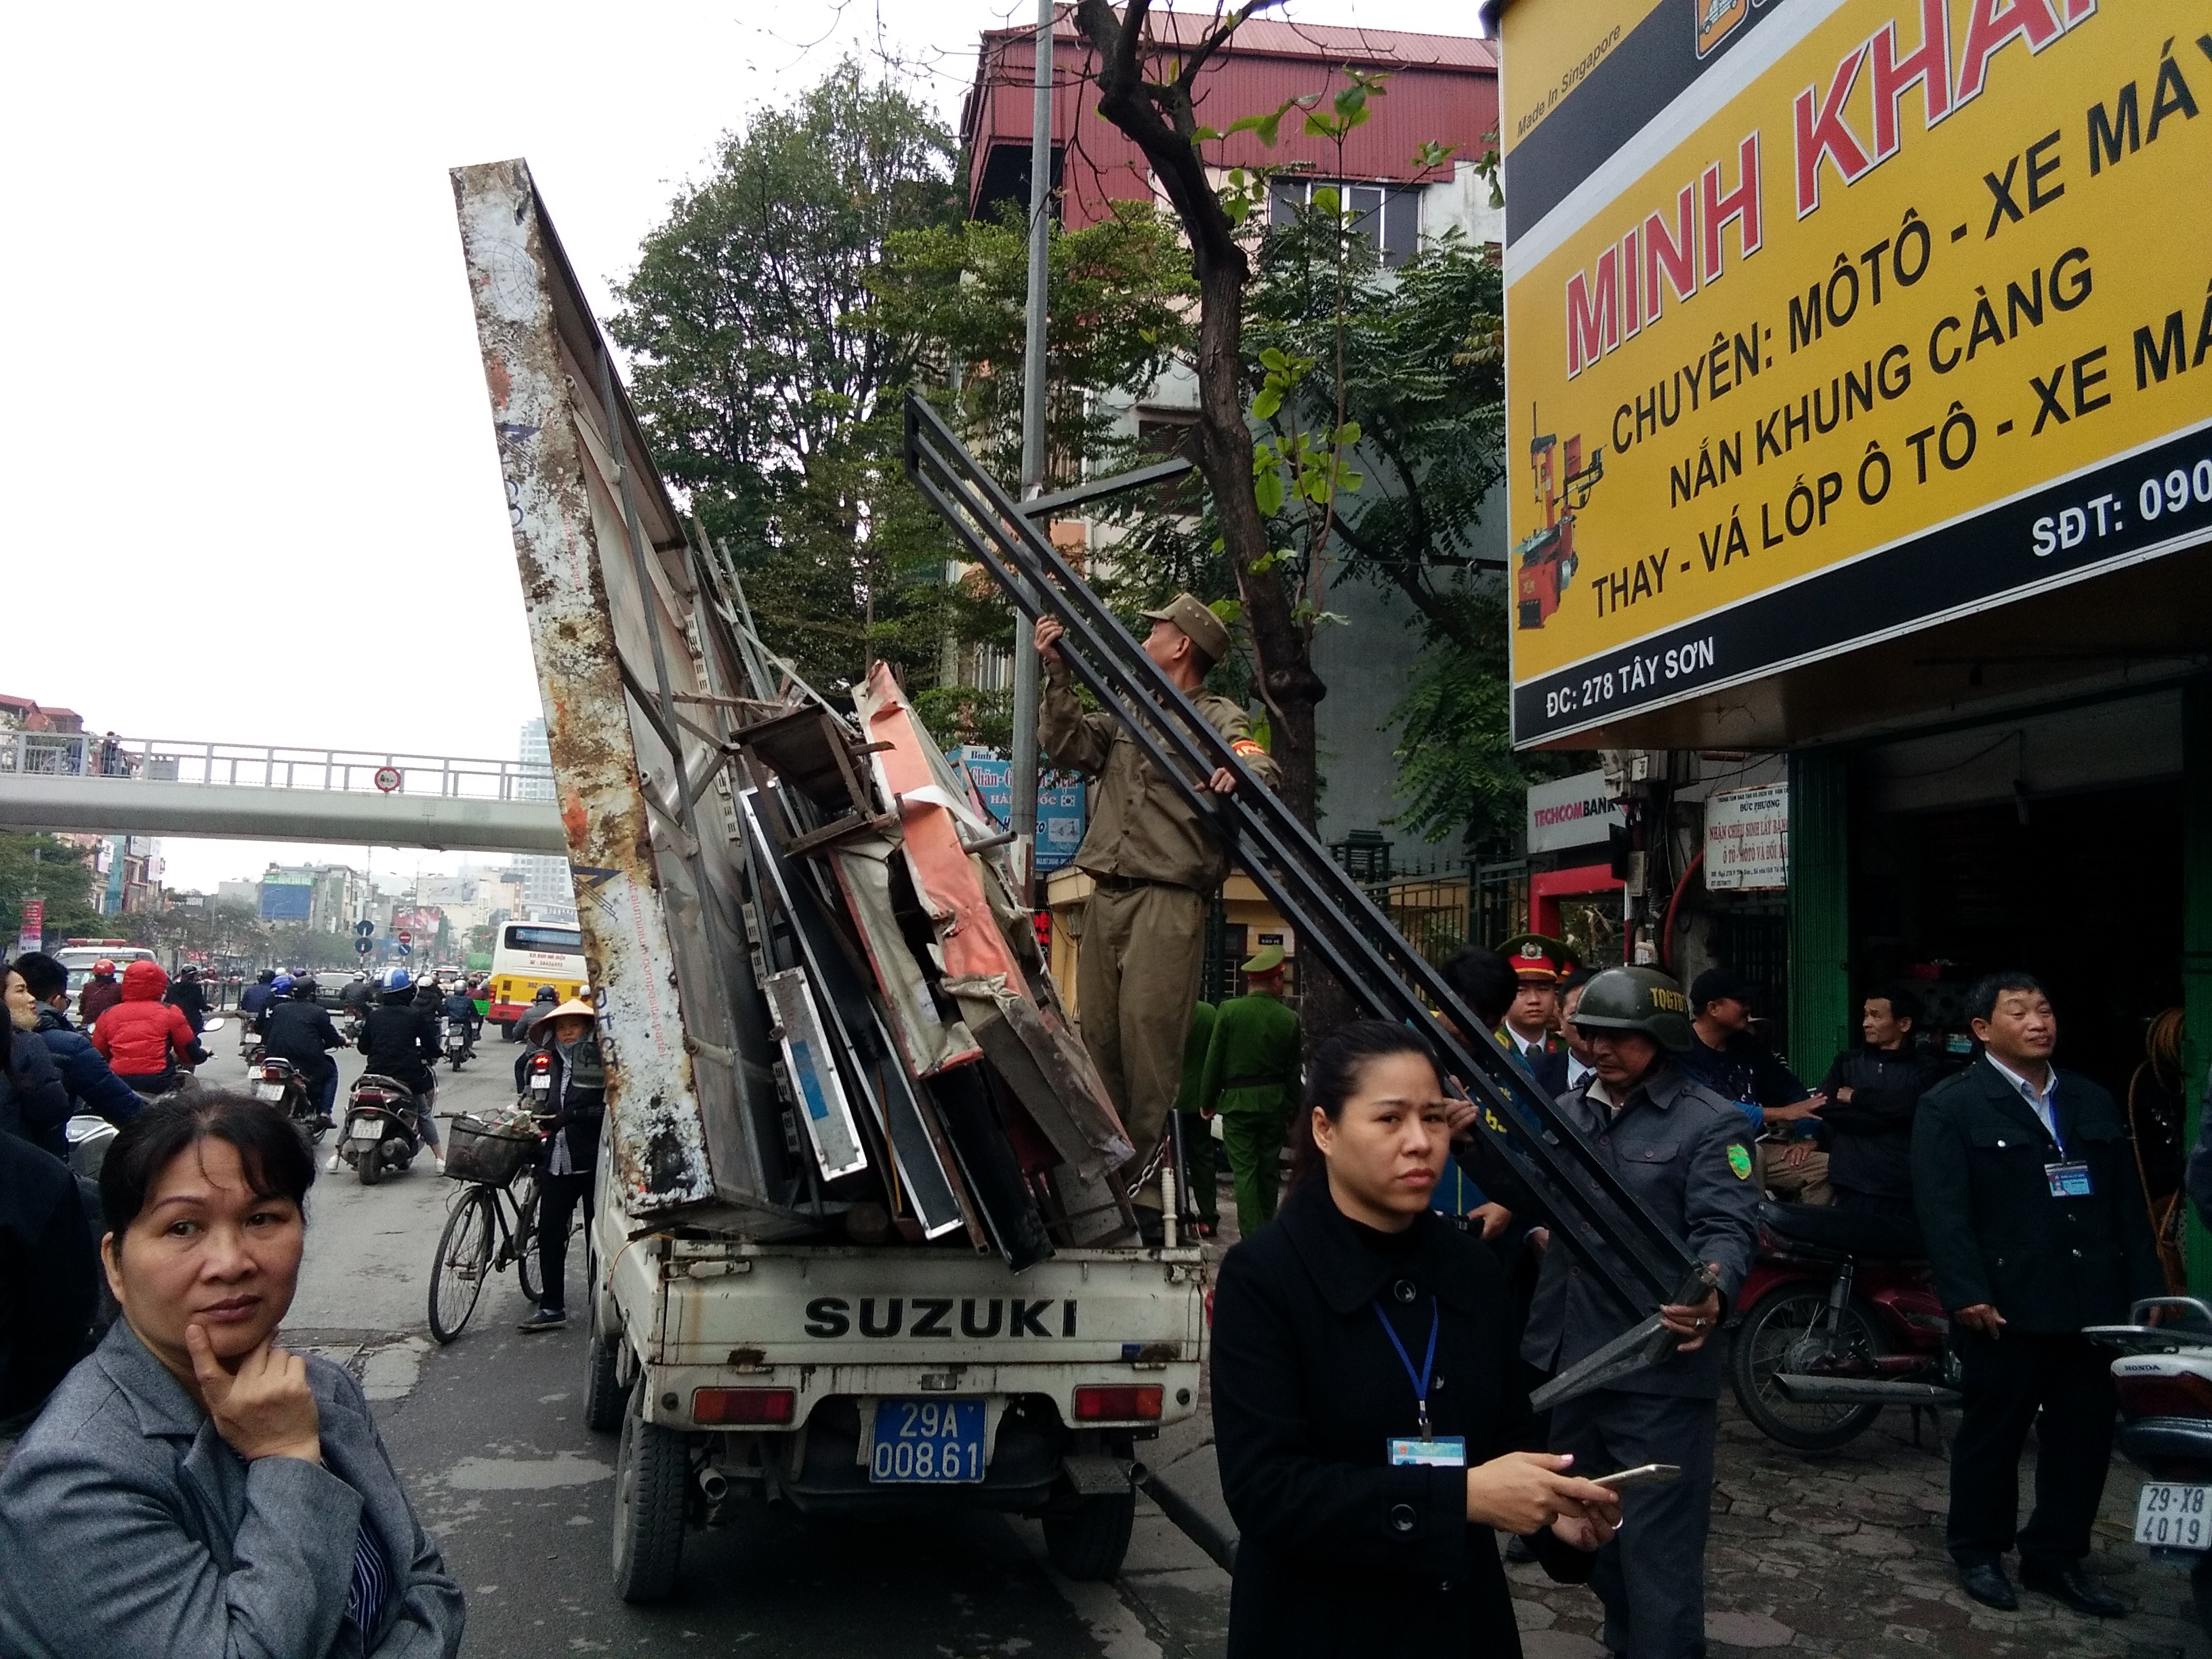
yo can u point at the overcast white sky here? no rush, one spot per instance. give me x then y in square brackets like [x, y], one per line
[256, 496]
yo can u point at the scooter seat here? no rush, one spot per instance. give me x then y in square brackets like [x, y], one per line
[1825, 1228]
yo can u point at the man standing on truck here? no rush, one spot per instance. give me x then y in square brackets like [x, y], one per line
[1155, 868]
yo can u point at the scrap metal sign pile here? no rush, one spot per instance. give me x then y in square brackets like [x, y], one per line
[823, 1007]
[824, 1011]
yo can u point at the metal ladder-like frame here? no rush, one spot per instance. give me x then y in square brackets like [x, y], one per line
[1611, 1231]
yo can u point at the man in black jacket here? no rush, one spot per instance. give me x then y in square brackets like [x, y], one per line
[399, 1040]
[299, 1028]
[189, 997]
[1872, 1093]
[2027, 1196]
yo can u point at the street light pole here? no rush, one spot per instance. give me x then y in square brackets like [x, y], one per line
[1022, 772]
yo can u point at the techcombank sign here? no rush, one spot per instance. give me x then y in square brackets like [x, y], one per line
[1826, 321]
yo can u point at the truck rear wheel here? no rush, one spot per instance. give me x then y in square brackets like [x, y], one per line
[650, 1471]
[604, 1393]
[1087, 1540]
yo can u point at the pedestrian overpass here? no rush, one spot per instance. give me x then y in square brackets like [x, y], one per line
[87, 783]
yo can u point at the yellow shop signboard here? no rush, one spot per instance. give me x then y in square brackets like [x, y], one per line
[1827, 321]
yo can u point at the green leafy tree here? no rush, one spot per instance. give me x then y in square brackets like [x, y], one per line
[1120, 291]
[60, 872]
[766, 392]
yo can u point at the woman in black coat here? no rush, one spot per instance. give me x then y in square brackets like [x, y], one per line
[1364, 1528]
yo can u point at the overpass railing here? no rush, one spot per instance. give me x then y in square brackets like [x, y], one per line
[94, 755]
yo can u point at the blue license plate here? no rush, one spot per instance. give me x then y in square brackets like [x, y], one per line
[928, 1442]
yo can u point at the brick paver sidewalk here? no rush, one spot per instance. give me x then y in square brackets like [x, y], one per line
[1844, 1555]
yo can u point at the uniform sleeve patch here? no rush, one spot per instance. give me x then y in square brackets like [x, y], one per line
[1740, 1160]
[1246, 746]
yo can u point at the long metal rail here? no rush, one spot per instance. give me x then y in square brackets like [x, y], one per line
[1608, 1227]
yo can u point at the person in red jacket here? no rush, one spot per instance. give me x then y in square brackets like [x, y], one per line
[143, 1038]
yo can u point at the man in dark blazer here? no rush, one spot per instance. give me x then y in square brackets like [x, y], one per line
[2027, 1196]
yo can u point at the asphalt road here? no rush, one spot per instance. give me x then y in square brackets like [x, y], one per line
[489, 1435]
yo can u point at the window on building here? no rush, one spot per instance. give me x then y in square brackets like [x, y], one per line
[1387, 215]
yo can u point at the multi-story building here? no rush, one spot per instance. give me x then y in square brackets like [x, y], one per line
[549, 893]
[328, 897]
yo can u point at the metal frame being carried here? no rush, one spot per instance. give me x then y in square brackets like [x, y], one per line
[1611, 1230]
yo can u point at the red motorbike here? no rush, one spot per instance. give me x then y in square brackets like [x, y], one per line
[1838, 1318]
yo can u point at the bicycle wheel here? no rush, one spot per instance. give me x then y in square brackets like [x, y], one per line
[525, 1194]
[463, 1263]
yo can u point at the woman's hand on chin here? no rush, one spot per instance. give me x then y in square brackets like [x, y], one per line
[263, 1409]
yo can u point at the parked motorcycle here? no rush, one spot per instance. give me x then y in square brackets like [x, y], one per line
[1838, 1318]
[2164, 1381]
[277, 1081]
[453, 1040]
[383, 1127]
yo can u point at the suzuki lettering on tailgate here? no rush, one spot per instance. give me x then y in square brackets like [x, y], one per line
[940, 1316]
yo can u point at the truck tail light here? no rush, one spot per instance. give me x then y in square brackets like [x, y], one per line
[1118, 1402]
[775, 1405]
[2177, 1394]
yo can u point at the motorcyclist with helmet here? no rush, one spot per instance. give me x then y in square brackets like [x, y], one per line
[253, 1002]
[399, 1040]
[461, 1007]
[100, 992]
[298, 1028]
[1686, 1151]
[189, 997]
[358, 995]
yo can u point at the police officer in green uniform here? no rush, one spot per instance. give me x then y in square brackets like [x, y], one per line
[1197, 1130]
[1686, 1151]
[1252, 1069]
[1154, 864]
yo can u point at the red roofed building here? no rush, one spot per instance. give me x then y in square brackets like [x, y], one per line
[23, 715]
[1442, 88]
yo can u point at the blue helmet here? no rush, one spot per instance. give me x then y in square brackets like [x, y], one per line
[396, 979]
[281, 985]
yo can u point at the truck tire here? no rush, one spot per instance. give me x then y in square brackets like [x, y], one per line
[1087, 1540]
[507, 1030]
[603, 1394]
[650, 1499]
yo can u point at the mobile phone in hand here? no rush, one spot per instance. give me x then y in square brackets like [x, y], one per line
[1642, 1474]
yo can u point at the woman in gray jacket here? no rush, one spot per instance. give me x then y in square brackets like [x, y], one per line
[191, 1490]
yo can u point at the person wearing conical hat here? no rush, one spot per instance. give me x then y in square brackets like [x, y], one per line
[1155, 861]
[1252, 1080]
[574, 1110]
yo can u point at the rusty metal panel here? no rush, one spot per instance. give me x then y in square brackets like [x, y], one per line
[629, 667]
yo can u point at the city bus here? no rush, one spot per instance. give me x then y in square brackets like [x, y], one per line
[528, 955]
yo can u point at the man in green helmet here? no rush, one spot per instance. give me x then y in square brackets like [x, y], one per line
[1252, 1072]
[1686, 1151]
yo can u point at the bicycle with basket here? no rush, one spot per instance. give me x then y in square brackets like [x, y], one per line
[494, 1223]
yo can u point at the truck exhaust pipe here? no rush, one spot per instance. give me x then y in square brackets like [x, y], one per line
[713, 1484]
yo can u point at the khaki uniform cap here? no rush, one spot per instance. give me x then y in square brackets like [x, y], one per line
[1205, 630]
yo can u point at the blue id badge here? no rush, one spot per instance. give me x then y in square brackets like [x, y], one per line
[2068, 1179]
[1440, 1451]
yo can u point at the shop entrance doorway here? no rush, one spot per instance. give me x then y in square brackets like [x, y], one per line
[2082, 890]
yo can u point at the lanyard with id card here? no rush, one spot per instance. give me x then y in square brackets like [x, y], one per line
[2069, 1178]
[1425, 1450]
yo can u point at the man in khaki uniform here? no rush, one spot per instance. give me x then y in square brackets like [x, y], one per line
[1155, 866]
